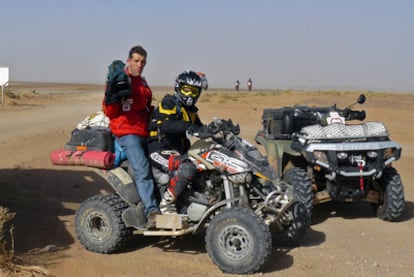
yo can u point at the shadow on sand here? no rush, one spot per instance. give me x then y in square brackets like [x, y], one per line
[41, 200]
[354, 210]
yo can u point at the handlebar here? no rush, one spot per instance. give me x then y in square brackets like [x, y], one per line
[354, 115]
[222, 125]
[319, 114]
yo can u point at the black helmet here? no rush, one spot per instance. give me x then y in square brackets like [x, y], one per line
[188, 88]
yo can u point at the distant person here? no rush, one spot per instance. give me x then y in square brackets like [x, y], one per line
[237, 85]
[249, 84]
[127, 103]
[204, 80]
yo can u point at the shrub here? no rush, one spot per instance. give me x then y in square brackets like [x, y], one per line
[10, 265]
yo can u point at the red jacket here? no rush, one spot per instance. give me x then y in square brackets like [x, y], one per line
[131, 115]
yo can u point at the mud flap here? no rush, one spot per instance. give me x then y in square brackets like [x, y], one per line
[134, 216]
[123, 184]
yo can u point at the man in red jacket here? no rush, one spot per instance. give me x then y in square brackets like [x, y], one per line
[127, 103]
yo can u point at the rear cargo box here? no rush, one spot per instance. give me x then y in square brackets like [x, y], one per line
[281, 123]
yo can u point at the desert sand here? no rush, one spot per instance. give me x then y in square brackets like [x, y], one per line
[344, 239]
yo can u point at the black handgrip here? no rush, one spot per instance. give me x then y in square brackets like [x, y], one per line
[354, 115]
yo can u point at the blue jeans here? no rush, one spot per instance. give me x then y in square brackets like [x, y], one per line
[135, 150]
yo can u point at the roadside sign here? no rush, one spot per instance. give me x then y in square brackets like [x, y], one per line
[4, 80]
[4, 76]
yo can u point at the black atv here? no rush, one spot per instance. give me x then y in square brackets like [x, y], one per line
[325, 158]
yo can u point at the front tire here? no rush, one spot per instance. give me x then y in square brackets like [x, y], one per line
[238, 241]
[99, 225]
[393, 203]
[302, 187]
[295, 224]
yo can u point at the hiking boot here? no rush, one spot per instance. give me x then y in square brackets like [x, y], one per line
[151, 223]
[167, 204]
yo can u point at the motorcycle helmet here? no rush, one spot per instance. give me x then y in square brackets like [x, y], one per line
[188, 86]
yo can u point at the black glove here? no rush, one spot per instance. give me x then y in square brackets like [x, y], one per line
[192, 128]
[116, 90]
[117, 84]
[204, 132]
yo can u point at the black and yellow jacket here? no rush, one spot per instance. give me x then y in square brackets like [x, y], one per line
[168, 125]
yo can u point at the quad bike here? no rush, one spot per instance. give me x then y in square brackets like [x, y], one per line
[233, 199]
[326, 159]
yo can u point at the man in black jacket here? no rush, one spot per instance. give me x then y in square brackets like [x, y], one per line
[175, 117]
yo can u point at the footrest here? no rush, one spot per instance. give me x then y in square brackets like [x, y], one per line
[171, 221]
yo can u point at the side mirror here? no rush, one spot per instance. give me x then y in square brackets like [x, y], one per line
[361, 99]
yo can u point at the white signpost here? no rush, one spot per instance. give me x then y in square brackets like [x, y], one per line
[4, 81]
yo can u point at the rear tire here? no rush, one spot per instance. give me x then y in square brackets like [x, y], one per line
[392, 206]
[99, 224]
[238, 241]
[294, 229]
[302, 187]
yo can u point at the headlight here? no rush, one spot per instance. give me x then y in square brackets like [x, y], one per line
[342, 155]
[321, 156]
[372, 154]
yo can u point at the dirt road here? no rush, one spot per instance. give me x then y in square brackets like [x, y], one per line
[344, 240]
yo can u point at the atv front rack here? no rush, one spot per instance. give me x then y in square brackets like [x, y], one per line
[343, 131]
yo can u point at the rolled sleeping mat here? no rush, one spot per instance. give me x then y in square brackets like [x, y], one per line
[66, 157]
[98, 159]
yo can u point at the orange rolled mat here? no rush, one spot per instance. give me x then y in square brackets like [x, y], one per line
[66, 157]
[98, 159]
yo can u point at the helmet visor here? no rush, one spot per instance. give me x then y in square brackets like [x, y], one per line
[191, 91]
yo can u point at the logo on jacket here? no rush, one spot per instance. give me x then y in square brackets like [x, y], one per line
[126, 104]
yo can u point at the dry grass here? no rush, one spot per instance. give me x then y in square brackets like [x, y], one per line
[10, 264]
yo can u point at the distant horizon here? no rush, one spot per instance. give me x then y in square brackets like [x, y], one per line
[226, 89]
[300, 45]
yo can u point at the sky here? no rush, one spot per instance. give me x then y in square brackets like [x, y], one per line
[280, 44]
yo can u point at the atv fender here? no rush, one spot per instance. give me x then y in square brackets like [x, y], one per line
[275, 150]
[211, 210]
[122, 183]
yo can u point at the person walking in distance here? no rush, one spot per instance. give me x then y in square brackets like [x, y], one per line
[127, 103]
[237, 85]
[249, 84]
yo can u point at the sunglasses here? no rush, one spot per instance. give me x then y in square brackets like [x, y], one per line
[188, 90]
